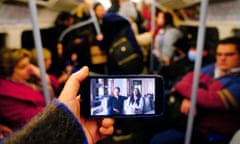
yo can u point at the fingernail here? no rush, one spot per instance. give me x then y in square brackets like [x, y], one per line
[85, 68]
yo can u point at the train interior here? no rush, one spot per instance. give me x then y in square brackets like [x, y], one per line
[16, 31]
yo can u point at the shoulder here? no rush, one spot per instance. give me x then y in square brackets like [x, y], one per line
[19, 91]
[127, 99]
[208, 69]
[173, 32]
[123, 97]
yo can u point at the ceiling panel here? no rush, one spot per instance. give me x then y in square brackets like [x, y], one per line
[177, 4]
[58, 5]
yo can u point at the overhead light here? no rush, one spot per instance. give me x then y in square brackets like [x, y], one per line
[45, 3]
[136, 1]
[105, 3]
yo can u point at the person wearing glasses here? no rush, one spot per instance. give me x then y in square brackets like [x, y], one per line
[218, 98]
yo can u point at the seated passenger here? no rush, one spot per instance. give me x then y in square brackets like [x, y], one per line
[56, 82]
[134, 104]
[20, 97]
[115, 102]
[183, 60]
[218, 97]
[61, 122]
[148, 103]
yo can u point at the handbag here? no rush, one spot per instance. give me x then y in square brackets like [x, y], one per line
[97, 55]
[174, 116]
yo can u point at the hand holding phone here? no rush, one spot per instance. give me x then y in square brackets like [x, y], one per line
[122, 96]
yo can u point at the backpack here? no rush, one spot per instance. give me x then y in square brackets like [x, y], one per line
[125, 55]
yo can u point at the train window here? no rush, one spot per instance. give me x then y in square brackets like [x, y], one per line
[2, 40]
[236, 32]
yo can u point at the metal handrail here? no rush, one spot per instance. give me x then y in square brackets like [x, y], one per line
[92, 19]
[38, 43]
[197, 68]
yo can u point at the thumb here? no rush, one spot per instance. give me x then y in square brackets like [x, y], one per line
[72, 85]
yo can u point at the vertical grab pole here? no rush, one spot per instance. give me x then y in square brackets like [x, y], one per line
[153, 11]
[197, 68]
[94, 19]
[38, 44]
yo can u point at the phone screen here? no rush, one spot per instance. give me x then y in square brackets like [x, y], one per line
[124, 96]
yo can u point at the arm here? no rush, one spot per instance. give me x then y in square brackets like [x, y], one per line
[144, 39]
[170, 38]
[185, 107]
[126, 107]
[140, 106]
[54, 83]
[213, 94]
[109, 106]
[36, 72]
[66, 127]
[4, 131]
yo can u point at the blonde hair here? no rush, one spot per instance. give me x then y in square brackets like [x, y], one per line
[9, 58]
[46, 55]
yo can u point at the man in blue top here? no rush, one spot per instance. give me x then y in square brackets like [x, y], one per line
[218, 99]
[115, 102]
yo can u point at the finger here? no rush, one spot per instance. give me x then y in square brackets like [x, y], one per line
[78, 100]
[78, 97]
[183, 111]
[182, 108]
[72, 85]
[173, 89]
[106, 131]
[1, 136]
[107, 122]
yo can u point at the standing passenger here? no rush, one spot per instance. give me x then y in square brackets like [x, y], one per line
[167, 34]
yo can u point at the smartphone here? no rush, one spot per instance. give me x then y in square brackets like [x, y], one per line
[122, 96]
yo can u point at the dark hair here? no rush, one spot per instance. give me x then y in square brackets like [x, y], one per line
[118, 88]
[183, 44]
[158, 11]
[168, 19]
[231, 40]
[138, 97]
[62, 17]
[96, 5]
[114, 7]
[114, 1]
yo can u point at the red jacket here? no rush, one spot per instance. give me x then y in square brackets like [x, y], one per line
[217, 99]
[19, 103]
